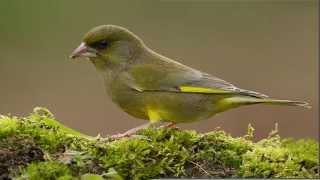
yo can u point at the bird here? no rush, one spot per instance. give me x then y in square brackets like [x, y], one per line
[150, 86]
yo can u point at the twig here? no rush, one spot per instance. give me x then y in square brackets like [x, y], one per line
[200, 167]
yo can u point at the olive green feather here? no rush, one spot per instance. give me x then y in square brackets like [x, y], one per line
[150, 86]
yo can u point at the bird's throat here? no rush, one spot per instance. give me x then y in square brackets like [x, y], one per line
[99, 64]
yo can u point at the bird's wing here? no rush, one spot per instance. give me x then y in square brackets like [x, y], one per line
[175, 77]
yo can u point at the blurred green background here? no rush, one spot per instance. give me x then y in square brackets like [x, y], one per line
[266, 46]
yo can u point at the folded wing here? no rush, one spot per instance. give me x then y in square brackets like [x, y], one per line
[175, 77]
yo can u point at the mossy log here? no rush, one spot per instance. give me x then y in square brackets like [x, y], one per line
[39, 147]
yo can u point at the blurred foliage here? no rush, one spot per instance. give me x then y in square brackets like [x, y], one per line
[42, 148]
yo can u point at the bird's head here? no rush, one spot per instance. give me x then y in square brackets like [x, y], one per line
[109, 44]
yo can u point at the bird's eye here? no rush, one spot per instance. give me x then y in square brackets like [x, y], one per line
[102, 44]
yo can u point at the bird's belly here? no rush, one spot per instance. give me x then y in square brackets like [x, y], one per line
[170, 106]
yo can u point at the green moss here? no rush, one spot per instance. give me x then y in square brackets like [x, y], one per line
[50, 170]
[146, 158]
[17, 151]
[305, 152]
[45, 131]
[60, 152]
[278, 158]
[9, 125]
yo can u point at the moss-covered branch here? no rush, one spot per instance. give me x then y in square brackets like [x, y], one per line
[39, 147]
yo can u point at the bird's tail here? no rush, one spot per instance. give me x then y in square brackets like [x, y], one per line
[286, 102]
[245, 100]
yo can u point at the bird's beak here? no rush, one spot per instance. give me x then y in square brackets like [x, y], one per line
[83, 51]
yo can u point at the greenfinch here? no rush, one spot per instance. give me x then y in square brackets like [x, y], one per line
[150, 86]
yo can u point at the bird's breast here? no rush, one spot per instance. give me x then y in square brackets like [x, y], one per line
[128, 99]
[174, 107]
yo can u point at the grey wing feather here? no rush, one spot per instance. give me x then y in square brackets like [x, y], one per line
[208, 80]
[169, 75]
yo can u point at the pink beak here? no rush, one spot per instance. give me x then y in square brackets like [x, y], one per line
[83, 51]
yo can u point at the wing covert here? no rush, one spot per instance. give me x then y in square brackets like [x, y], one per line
[174, 78]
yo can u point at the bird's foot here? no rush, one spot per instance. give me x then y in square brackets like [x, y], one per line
[124, 135]
[120, 135]
[130, 132]
[169, 125]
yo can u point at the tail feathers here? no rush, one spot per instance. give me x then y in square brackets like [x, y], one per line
[246, 100]
[287, 102]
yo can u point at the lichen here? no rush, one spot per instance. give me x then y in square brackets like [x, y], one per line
[39, 147]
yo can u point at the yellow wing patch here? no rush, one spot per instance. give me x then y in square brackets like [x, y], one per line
[191, 89]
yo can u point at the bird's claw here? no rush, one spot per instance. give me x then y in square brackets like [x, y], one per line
[124, 135]
[120, 135]
[170, 125]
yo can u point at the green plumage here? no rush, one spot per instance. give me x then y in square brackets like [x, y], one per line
[150, 86]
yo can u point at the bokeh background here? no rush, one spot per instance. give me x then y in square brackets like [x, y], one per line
[267, 46]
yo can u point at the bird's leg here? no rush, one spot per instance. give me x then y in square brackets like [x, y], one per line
[132, 131]
[169, 125]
